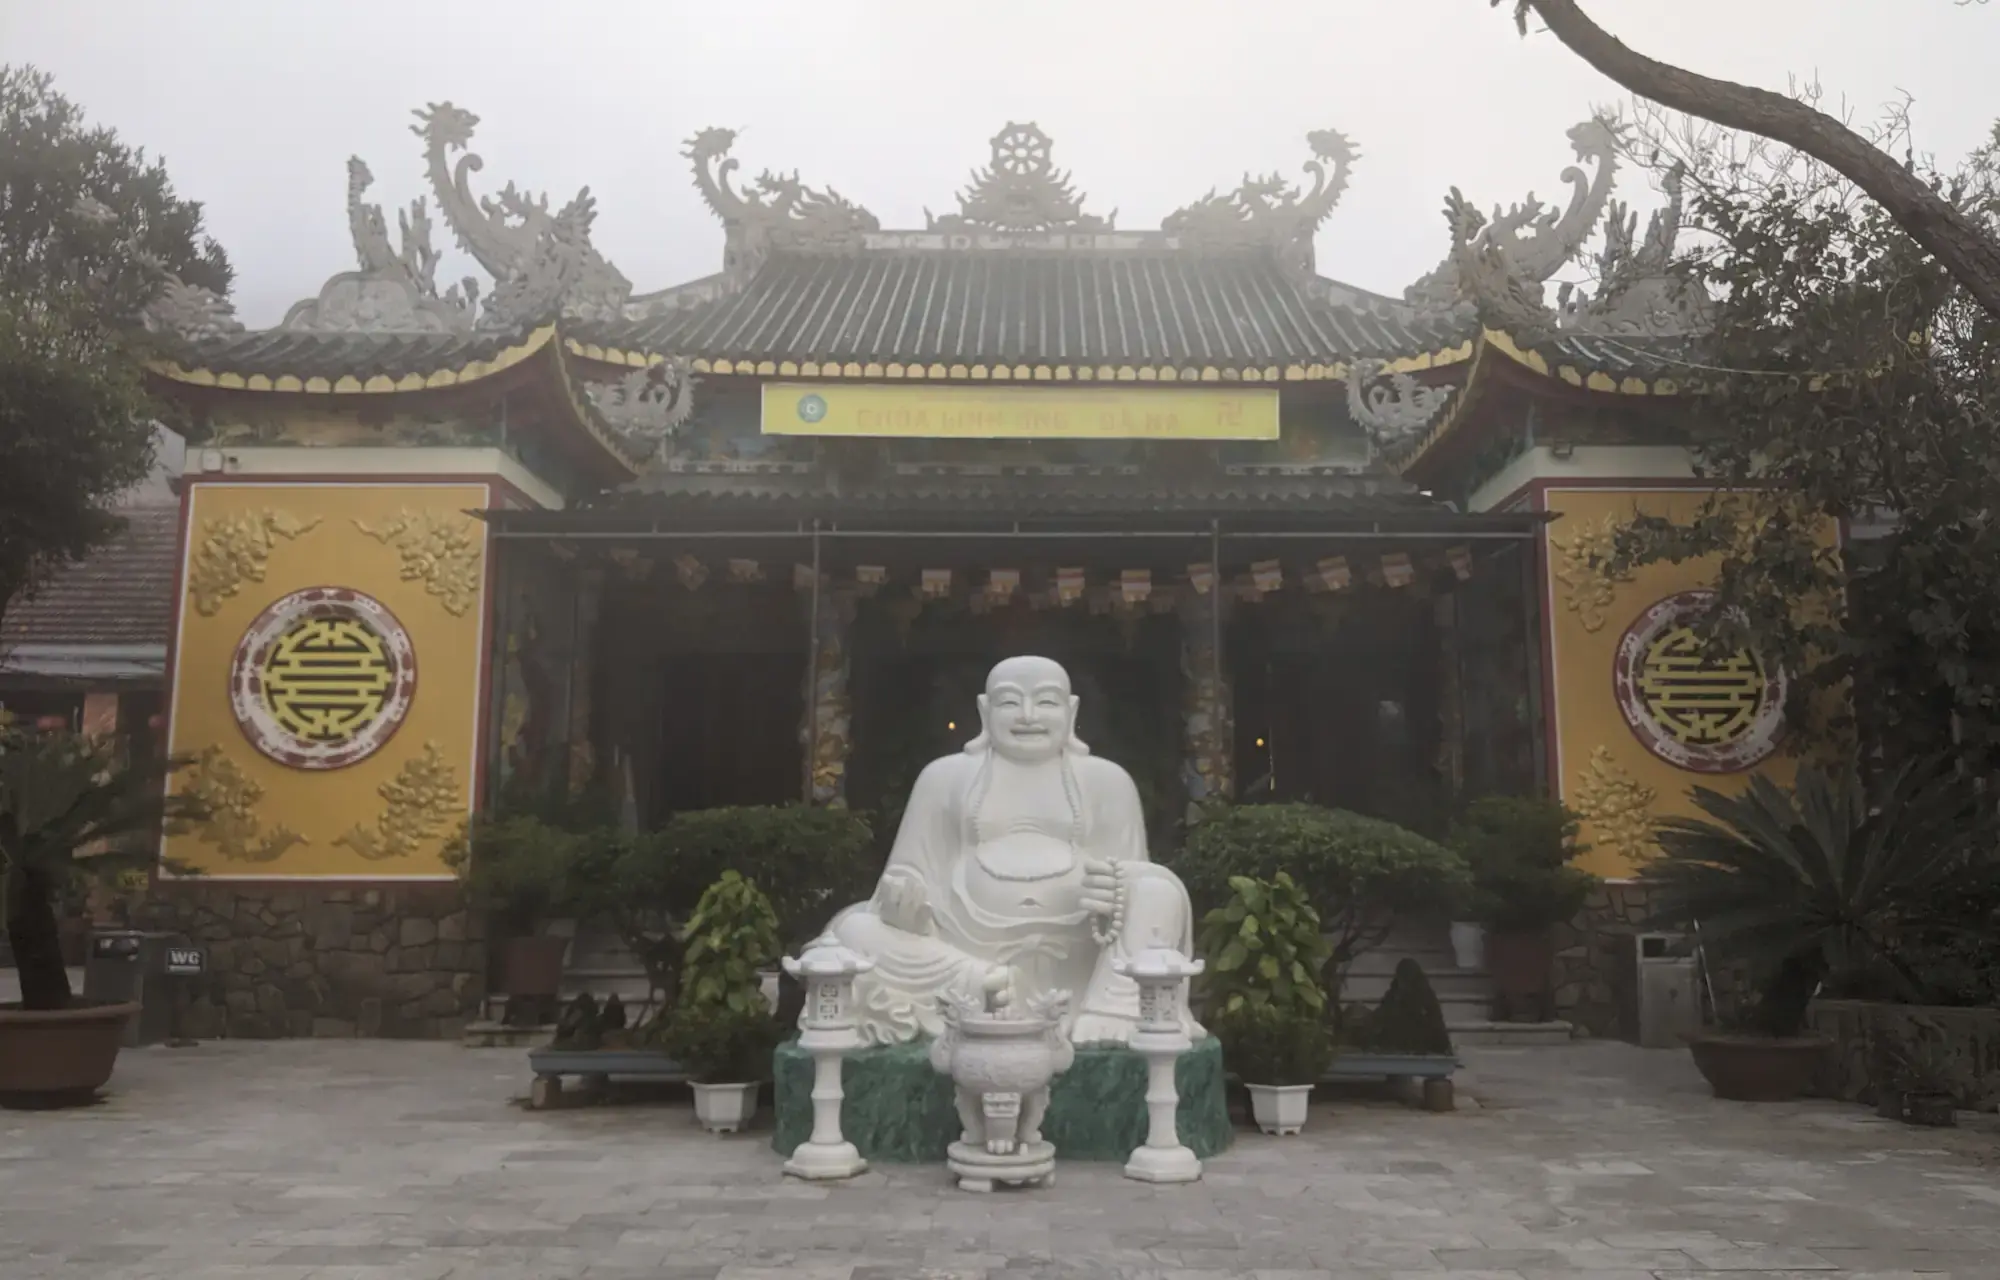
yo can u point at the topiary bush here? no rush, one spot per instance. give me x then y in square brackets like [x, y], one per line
[1264, 950]
[1358, 872]
[1520, 850]
[1408, 1019]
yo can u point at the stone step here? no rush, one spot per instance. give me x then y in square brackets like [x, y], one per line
[493, 1034]
[1453, 984]
[1514, 1034]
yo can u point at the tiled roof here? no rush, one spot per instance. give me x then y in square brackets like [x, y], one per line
[122, 594]
[309, 353]
[1058, 307]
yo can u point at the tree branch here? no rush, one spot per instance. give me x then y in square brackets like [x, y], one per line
[1965, 249]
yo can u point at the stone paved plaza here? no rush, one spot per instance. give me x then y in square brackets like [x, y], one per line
[373, 1160]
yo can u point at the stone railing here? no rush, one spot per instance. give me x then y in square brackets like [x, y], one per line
[1973, 1034]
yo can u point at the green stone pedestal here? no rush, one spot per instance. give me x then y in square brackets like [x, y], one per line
[899, 1111]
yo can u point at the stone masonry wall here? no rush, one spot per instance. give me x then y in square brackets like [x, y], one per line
[1594, 970]
[400, 961]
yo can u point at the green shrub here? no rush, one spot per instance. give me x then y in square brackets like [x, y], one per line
[1519, 850]
[1359, 873]
[519, 868]
[1264, 949]
[810, 862]
[731, 936]
[1263, 1044]
[1409, 1019]
[718, 1044]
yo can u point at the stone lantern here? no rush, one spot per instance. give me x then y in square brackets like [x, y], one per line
[827, 971]
[1161, 1038]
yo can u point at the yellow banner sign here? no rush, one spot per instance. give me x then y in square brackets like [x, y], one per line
[1021, 413]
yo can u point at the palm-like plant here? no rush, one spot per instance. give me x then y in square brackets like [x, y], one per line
[1812, 885]
[70, 808]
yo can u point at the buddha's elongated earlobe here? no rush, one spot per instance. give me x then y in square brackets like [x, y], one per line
[985, 738]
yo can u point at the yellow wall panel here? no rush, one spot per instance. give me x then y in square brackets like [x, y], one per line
[1606, 772]
[413, 548]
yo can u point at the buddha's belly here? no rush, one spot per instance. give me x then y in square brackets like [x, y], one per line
[1026, 876]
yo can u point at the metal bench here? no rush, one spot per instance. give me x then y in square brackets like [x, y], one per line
[1401, 1070]
[595, 1068]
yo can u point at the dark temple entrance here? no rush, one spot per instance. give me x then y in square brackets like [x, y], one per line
[915, 683]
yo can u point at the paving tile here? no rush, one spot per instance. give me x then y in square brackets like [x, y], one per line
[376, 1160]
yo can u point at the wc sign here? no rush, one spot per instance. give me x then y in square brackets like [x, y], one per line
[184, 962]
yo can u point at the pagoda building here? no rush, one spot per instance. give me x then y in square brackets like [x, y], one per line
[754, 538]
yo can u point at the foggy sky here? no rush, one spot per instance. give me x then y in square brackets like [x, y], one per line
[256, 104]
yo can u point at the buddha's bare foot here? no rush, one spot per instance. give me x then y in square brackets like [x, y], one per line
[1099, 1029]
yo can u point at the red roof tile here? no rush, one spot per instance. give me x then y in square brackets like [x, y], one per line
[123, 593]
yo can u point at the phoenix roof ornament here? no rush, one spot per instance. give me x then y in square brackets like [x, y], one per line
[1530, 240]
[777, 211]
[1270, 211]
[1638, 294]
[509, 232]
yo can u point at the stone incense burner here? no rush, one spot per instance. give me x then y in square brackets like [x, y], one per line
[1001, 1061]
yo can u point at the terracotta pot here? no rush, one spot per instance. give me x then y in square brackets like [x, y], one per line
[532, 967]
[59, 1057]
[1750, 1068]
[1521, 966]
[74, 937]
[1935, 1110]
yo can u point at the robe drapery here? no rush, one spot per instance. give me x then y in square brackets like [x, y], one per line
[1048, 944]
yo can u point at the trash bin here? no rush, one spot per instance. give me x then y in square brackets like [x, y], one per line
[131, 964]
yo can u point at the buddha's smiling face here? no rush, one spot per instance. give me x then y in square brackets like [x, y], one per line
[1028, 709]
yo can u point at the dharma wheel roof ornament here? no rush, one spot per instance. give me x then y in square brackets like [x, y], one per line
[1020, 191]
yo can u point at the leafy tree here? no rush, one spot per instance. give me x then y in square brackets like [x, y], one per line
[1966, 246]
[90, 232]
[1847, 377]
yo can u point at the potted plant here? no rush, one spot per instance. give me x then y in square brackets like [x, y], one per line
[722, 1030]
[1279, 1054]
[1403, 1039]
[1263, 998]
[1519, 850]
[1918, 1078]
[521, 871]
[1803, 889]
[70, 808]
[1360, 873]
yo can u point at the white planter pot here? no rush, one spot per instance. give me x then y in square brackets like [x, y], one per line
[1279, 1108]
[1468, 944]
[724, 1108]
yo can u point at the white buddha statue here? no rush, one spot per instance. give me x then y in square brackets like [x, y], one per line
[1020, 868]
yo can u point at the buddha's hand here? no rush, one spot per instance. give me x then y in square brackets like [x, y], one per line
[1100, 889]
[902, 902]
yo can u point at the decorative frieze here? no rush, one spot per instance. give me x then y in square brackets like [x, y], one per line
[234, 550]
